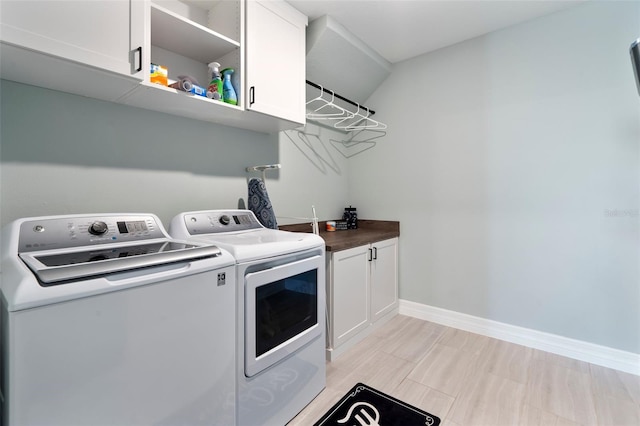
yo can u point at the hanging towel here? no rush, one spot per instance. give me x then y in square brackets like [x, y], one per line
[260, 205]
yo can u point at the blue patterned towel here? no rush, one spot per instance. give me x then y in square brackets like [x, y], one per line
[260, 205]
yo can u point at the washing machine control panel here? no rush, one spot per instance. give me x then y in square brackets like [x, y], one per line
[219, 221]
[76, 231]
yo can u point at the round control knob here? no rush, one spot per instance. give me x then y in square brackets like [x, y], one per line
[225, 220]
[98, 228]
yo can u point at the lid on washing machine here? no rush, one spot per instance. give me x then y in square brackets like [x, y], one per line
[57, 267]
[53, 259]
[63, 248]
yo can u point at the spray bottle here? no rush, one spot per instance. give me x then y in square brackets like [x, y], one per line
[214, 90]
[228, 92]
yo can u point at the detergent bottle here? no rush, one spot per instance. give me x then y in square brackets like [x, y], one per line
[228, 92]
[214, 90]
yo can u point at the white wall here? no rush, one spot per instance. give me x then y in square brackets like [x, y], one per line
[66, 154]
[313, 173]
[513, 163]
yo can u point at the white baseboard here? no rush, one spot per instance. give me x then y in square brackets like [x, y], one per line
[576, 349]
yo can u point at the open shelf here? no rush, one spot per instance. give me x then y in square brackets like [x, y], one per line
[175, 33]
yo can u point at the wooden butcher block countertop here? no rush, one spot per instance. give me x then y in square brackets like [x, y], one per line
[369, 231]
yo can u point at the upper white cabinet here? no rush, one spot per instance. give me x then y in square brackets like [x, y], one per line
[51, 44]
[184, 37]
[275, 51]
[93, 32]
[104, 49]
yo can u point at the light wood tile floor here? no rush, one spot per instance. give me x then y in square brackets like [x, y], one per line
[467, 379]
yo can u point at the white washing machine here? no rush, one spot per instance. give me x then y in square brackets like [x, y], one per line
[106, 320]
[281, 311]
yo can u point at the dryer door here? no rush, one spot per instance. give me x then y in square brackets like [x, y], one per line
[281, 308]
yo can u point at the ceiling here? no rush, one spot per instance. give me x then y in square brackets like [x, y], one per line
[402, 29]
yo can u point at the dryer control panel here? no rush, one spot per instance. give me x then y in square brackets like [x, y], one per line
[219, 221]
[53, 233]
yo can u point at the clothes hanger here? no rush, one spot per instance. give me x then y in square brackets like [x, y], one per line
[364, 122]
[334, 112]
[344, 123]
[345, 119]
[318, 98]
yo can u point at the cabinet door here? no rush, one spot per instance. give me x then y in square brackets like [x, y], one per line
[92, 32]
[275, 59]
[349, 293]
[384, 278]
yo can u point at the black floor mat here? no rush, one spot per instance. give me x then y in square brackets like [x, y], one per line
[365, 406]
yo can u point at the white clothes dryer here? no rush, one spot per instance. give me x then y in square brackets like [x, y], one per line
[107, 320]
[280, 311]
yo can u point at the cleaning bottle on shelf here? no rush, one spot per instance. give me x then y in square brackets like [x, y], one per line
[228, 92]
[214, 90]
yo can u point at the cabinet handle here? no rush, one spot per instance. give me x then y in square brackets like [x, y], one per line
[139, 51]
[375, 253]
[370, 255]
[252, 95]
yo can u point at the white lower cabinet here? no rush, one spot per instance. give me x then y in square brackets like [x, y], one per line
[362, 289]
[384, 278]
[348, 294]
